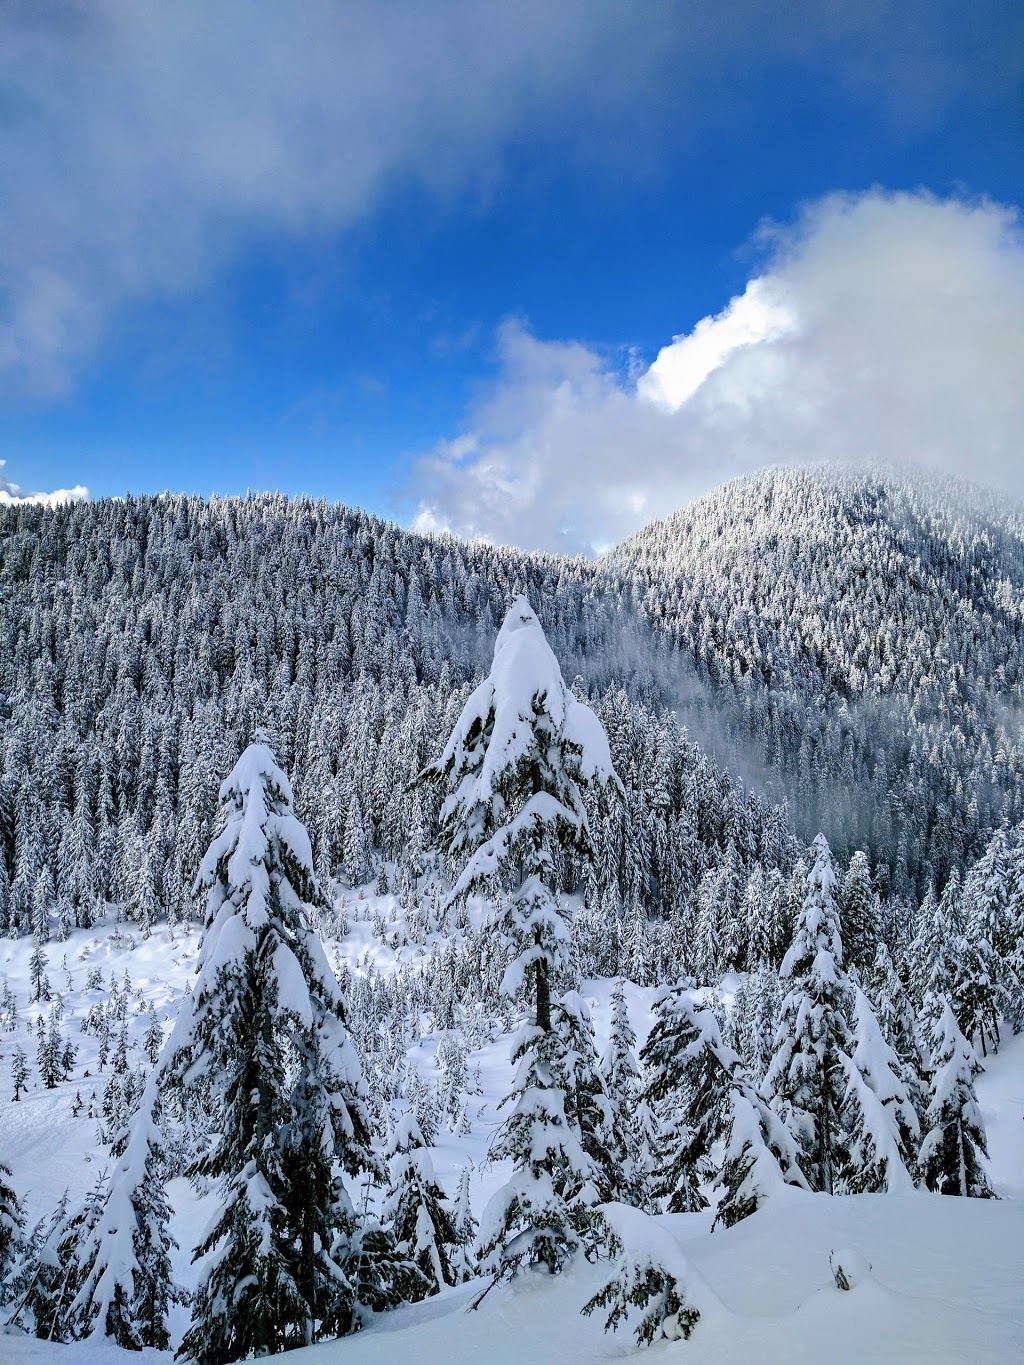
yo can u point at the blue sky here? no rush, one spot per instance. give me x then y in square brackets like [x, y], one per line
[382, 252]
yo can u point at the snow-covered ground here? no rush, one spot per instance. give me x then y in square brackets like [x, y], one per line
[946, 1274]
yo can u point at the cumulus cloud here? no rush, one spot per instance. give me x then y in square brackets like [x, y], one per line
[11, 494]
[883, 328]
[145, 143]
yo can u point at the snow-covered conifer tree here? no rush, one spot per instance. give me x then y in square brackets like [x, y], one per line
[534, 1217]
[650, 1274]
[587, 1108]
[807, 1077]
[464, 1260]
[131, 1232]
[262, 1044]
[760, 1157]
[954, 1142]
[758, 1003]
[267, 1034]
[513, 768]
[19, 1072]
[858, 914]
[623, 1084]
[420, 1215]
[688, 1080]
[880, 1119]
[12, 1222]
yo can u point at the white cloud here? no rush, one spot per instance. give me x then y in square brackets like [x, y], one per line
[144, 143]
[886, 328]
[11, 494]
[682, 367]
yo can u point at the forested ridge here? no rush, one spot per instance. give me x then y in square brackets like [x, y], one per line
[849, 643]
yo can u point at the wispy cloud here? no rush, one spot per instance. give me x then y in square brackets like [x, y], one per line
[145, 143]
[886, 328]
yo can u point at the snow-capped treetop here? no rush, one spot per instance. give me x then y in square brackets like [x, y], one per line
[817, 947]
[517, 752]
[258, 830]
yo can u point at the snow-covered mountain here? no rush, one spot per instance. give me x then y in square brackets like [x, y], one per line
[795, 653]
[862, 638]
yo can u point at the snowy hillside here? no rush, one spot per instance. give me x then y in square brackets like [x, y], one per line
[456, 986]
[946, 1273]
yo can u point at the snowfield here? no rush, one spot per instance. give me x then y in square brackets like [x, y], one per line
[945, 1280]
[945, 1286]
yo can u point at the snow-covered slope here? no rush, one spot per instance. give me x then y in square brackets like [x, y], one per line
[946, 1273]
[944, 1287]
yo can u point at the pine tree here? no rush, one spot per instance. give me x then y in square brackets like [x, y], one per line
[893, 1008]
[513, 769]
[37, 964]
[954, 1143]
[587, 1108]
[267, 1036]
[689, 1074]
[19, 1072]
[760, 1156]
[416, 1207]
[879, 1116]
[153, 1041]
[623, 1085]
[758, 1004]
[50, 1054]
[12, 1223]
[858, 914]
[650, 1274]
[807, 1077]
[466, 1226]
[122, 1259]
[531, 1217]
[58, 1278]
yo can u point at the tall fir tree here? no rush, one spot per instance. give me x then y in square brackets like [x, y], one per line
[760, 1155]
[513, 769]
[415, 1206]
[807, 1077]
[267, 1035]
[950, 1160]
[879, 1115]
[623, 1082]
[688, 1073]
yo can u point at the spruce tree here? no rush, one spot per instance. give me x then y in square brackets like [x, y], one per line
[19, 1072]
[534, 1217]
[12, 1223]
[513, 770]
[954, 1142]
[650, 1274]
[122, 1259]
[464, 1259]
[858, 914]
[587, 1107]
[688, 1073]
[267, 1036]
[807, 1077]
[760, 1155]
[879, 1116]
[620, 1070]
[417, 1209]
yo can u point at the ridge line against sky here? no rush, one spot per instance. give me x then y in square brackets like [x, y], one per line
[538, 274]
